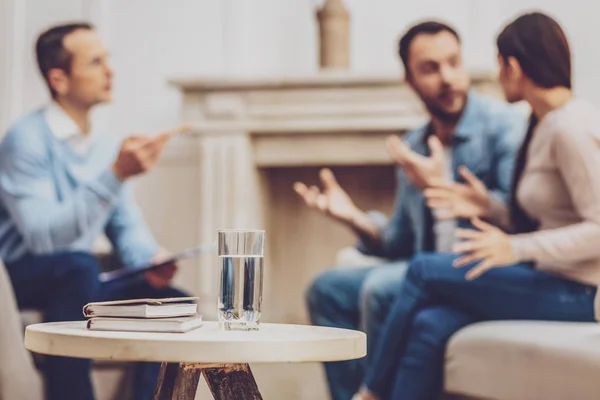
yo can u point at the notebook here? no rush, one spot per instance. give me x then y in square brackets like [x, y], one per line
[143, 308]
[174, 325]
[127, 272]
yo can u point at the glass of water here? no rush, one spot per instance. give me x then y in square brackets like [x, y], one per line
[241, 257]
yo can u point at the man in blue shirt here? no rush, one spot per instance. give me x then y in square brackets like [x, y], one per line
[468, 134]
[61, 187]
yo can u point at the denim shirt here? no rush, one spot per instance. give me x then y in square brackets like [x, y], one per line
[486, 141]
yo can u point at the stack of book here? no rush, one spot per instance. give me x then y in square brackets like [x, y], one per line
[178, 314]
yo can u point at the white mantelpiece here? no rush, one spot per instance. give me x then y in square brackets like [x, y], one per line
[324, 103]
[251, 134]
[279, 114]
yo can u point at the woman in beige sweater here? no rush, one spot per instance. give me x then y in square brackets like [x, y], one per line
[539, 259]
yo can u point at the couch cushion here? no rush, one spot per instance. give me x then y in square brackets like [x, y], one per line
[525, 360]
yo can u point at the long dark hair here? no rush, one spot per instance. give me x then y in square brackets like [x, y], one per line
[540, 46]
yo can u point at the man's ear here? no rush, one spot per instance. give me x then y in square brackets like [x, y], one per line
[58, 81]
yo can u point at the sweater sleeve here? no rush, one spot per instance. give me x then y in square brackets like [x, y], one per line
[28, 192]
[578, 160]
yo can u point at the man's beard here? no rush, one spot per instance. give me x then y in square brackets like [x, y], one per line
[441, 114]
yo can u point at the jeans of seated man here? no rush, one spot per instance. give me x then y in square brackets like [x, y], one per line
[61, 284]
[353, 299]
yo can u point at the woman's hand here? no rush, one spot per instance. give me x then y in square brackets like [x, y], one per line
[488, 244]
[457, 200]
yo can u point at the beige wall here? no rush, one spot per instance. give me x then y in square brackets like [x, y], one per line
[153, 40]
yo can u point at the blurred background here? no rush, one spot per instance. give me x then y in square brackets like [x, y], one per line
[246, 75]
[153, 41]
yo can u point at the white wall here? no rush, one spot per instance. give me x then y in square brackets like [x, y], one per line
[580, 22]
[153, 40]
[20, 85]
[254, 38]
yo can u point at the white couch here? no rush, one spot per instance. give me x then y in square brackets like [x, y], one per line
[525, 360]
[517, 360]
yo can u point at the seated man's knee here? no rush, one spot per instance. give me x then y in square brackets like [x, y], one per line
[79, 271]
[81, 263]
[381, 287]
[318, 290]
[372, 296]
[170, 291]
[322, 292]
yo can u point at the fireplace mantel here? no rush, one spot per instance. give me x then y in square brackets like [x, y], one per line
[322, 103]
[303, 120]
[253, 136]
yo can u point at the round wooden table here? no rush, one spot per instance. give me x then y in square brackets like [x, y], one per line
[221, 356]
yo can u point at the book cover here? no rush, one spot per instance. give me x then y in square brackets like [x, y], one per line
[161, 325]
[143, 308]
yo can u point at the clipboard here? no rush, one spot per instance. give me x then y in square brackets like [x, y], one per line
[122, 273]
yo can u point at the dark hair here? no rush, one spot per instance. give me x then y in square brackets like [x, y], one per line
[540, 46]
[427, 28]
[50, 51]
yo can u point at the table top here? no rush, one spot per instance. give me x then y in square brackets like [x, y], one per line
[272, 343]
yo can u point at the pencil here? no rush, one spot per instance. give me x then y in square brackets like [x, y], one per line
[178, 130]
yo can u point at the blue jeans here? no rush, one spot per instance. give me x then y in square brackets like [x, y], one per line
[60, 285]
[435, 301]
[353, 299]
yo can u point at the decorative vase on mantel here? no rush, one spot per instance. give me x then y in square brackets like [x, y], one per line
[334, 35]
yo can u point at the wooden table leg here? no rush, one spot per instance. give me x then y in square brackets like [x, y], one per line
[179, 381]
[231, 382]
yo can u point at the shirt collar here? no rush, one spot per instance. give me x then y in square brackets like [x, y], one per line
[61, 124]
[470, 121]
[468, 124]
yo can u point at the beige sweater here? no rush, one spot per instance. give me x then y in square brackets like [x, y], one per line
[560, 188]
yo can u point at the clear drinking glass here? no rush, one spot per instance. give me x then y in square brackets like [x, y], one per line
[241, 257]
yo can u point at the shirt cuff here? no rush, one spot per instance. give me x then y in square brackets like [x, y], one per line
[498, 213]
[521, 247]
[380, 221]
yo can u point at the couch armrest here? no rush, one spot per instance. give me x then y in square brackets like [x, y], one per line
[18, 377]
